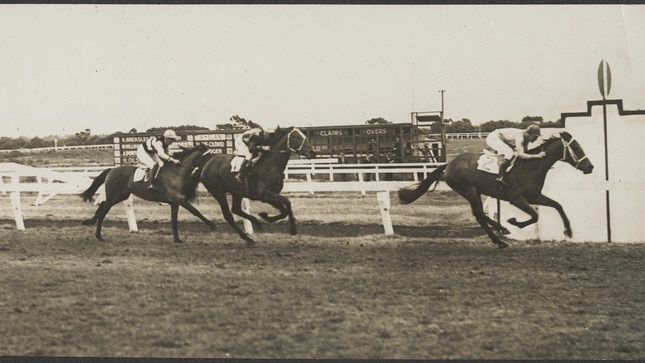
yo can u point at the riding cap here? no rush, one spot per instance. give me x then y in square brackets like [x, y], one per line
[533, 130]
[170, 134]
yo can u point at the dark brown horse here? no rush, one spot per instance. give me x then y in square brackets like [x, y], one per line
[263, 183]
[525, 180]
[172, 180]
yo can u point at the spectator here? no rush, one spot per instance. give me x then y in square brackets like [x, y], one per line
[407, 152]
[396, 149]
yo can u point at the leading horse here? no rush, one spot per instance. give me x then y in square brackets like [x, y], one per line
[172, 179]
[263, 183]
[525, 180]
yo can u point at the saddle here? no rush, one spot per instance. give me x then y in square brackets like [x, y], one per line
[489, 162]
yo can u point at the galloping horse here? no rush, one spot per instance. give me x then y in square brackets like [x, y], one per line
[264, 182]
[525, 179]
[119, 185]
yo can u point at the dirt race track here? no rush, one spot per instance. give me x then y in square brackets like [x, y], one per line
[339, 289]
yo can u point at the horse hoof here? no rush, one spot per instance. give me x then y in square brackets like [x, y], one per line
[568, 233]
[264, 215]
[502, 245]
[250, 242]
[179, 241]
[100, 239]
[505, 231]
[513, 221]
[213, 227]
[87, 222]
[293, 231]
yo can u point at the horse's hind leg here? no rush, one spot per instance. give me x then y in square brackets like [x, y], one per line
[237, 209]
[103, 209]
[228, 216]
[474, 198]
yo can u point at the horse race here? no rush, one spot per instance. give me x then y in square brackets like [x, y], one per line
[424, 236]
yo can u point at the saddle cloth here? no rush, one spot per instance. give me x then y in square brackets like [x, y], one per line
[236, 163]
[489, 162]
[140, 175]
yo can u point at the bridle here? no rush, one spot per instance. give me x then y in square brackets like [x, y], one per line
[292, 149]
[567, 147]
[301, 144]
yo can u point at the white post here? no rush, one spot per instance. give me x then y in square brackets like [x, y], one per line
[384, 207]
[15, 203]
[129, 213]
[246, 208]
[17, 210]
[310, 182]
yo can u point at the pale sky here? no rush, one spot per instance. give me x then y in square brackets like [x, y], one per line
[111, 68]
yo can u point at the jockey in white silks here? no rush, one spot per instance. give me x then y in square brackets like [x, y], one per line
[249, 144]
[154, 151]
[510, 142]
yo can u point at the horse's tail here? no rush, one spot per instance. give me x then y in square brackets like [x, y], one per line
[410, 194]
[88, 195]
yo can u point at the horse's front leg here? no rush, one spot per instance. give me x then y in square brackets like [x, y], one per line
[546, 201]
[271, 219]
[174, 212]
[524, 206]
[189, 207]
[276, 199]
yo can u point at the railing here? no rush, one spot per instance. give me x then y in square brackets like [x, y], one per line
[15, 179]
[57, 148]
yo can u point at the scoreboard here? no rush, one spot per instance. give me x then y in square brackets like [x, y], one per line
[219, 142]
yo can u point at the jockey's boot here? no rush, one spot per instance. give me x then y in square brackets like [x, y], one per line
[243, 170]
[502, 171]
[154, 172]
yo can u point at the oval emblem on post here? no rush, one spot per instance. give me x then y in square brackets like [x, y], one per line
[604, 78]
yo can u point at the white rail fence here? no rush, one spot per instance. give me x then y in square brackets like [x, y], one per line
[300, 176]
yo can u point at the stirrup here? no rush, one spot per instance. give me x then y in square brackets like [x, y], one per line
[502, 181]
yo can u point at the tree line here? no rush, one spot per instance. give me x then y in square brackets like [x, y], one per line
[85, 137]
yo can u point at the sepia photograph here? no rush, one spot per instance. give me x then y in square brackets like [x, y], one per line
[322, 181]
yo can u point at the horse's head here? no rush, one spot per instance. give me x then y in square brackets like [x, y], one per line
[290, 139]
[573, 154]
[190, 157]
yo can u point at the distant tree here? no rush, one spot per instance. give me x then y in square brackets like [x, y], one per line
[160, 130]
[133, 131]
[379, 120]
[237, 123]
[460, 126]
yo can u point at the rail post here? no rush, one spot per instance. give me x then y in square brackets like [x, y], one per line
[384, 207]
[15, 204]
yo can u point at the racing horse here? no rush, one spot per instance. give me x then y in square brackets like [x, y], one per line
[263, 182]
[525, 180]
[172, 180]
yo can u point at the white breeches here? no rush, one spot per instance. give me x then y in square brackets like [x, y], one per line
[500, 146]
[242, 149]
[146, 159]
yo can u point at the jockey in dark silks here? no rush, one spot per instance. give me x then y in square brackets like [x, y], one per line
[154, 152]
[249, 144]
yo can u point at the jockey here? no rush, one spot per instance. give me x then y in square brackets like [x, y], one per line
[510, 142]
[154, 151]
[249, 144]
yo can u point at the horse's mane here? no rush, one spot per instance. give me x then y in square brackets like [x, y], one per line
[554, 138]
[185, 151]
[278, 134]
